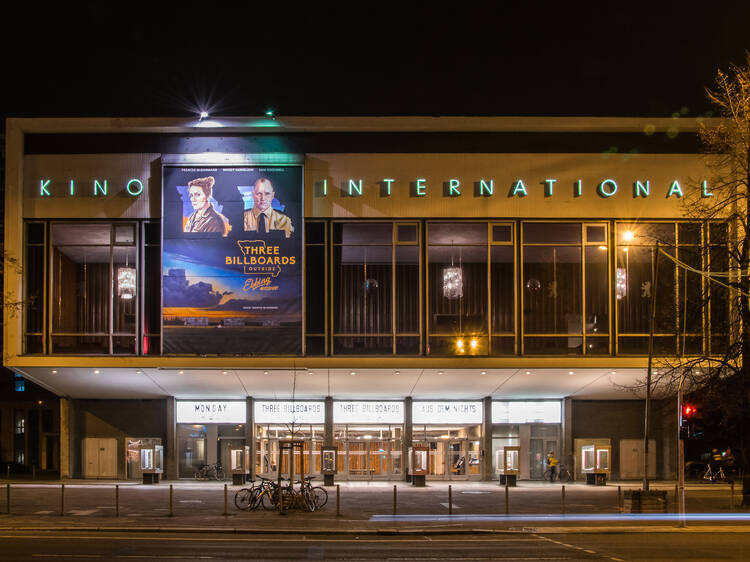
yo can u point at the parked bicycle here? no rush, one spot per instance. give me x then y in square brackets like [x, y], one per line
[210, 472]
[561, 473]
[714, 474]
[269, 495]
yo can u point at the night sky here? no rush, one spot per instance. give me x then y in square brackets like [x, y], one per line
[131, 59]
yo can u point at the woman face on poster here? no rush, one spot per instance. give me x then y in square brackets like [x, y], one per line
[198, 198]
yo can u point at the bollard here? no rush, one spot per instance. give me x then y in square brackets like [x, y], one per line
[117, 500]
[338, 500]
[7, 499]
[62, 499]
[619, 499]
[395, 500]
[225, 500]
[33, 472]
[507, 508]
[171, 501]
[450, 500]
[731, 495]
[563, 499]
[676, 498]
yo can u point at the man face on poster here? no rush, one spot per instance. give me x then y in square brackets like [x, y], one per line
[263, 218]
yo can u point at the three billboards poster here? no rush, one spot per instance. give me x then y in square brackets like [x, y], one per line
[232, 260]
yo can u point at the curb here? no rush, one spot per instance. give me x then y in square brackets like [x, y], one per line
[389, 531]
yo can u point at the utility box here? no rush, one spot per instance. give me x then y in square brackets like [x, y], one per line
[239, 465]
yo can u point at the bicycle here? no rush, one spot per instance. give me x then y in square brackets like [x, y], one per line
[713, 475]
[562, 474]
[210, 472]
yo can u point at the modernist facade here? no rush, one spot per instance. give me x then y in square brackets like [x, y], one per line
[469, 285]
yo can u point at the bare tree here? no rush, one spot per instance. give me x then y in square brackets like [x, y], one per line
[720, 367]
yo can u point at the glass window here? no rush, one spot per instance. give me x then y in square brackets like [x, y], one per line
[565, 289]
[316, 303]
[458, 291]
[375, 289]
[94, 288]
[636, 258]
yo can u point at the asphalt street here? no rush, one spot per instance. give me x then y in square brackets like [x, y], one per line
[504, 546]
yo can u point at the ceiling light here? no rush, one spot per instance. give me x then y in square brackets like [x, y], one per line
[40, 402]
[180, 372]
[265, 372]
[54, 372]
[96, 371]
[628, 235]
[483, 373]
[137, 371]
[397, 373]
[353, 373]
[528, 372]
[613, 373]
[571, 372]
[310, 373]
[440, 372]
[225, 372]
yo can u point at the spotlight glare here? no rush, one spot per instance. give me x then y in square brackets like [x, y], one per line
[474, 343]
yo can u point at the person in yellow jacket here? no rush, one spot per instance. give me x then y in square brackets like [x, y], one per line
[552, 462]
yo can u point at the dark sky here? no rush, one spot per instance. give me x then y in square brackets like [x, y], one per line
[131, 59]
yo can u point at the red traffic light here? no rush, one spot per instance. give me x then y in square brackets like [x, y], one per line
[688, 411]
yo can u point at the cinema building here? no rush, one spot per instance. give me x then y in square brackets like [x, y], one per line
[471, 286]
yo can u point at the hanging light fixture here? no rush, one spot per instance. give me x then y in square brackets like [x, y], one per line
[453, 281]
[126, 281]
[621, 283]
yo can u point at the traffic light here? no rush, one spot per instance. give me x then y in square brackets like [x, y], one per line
[687, 427]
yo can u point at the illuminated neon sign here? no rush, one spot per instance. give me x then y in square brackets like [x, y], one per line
[487, 187]
[96, 188]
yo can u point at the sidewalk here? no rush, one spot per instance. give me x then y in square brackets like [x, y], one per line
[365, 508]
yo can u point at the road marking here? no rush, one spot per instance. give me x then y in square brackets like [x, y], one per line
[580, 548]
[271, 539]
[66, 555]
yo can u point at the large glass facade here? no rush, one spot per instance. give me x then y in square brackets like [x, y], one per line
[488, 288]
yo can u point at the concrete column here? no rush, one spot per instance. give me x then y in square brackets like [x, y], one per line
[408, 436]
[524, 432]
[328, 420]
[66, 440]
[485, 460]
[170, 448]
[212, 443]
[250, 432]
[567, 452]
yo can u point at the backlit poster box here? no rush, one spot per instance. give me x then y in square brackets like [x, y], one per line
[232, 260]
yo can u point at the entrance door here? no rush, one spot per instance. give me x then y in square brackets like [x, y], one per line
[536, 459]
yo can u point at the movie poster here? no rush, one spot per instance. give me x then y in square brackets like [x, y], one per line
[232, 260]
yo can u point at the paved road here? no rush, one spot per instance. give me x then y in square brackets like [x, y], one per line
[506, 546]
[358, 501]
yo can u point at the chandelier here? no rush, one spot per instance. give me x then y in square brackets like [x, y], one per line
[453, 279]
[126, 282]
